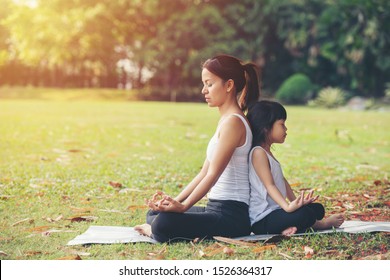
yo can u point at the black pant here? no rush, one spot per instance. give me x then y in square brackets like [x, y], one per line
[279, 220]
[219, 218]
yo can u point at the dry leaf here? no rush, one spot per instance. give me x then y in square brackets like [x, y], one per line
[135, 207]
[308, 251]
[285, 255]
[32, 253]
[29, 220]
[83, 218]
[2, 253]
[115, 184]
[202, 254]
[74, 151]
[38, 229]
[50, 220]
[263, 248]
[76, 257]
[228, 251]
[233, 241]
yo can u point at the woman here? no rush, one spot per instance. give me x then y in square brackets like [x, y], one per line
[232, 87]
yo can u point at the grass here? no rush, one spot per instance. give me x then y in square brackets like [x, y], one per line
[58, 156]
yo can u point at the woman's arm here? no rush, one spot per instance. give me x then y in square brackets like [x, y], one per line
[191, 186]
[230, 137]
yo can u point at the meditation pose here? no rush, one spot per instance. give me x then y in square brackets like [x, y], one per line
[232, 87]
[270, 212]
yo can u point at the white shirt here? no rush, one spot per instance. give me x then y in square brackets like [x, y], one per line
[233, 184]
[260, 203]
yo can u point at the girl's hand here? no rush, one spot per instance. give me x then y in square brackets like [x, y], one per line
[166, 204]
[301, 200]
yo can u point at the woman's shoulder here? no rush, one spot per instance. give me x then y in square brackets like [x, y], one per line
[233, 122]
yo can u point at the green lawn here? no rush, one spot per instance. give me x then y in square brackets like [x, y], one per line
[58, 157]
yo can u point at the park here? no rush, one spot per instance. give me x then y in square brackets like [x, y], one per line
[96, 119]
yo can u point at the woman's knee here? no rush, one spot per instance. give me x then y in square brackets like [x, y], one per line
[162, 226]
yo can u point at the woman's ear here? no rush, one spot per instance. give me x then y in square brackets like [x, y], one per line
[230, 85]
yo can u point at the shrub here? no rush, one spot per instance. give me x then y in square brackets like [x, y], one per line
[295, 90]
[329, 97]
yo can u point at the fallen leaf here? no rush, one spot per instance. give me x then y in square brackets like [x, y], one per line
[295, 184]
[285, 255]
[115, 184]
[135, 207]
[264, 248]
[74, 151]
[32, 253]
[83, 218]
[228, 251]
[212, 250]
[378, 257]
[2, 253]
[308, 251]
[50, 220]
[348, 206]
[29, 220]
[233, 241]
[82, 210]
[76, 257]
[38, 229]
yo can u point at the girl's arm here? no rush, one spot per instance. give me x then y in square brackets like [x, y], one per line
[230, 136]
[263, 170]
[290, 194]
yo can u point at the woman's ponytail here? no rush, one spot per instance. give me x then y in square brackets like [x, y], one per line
[251, 92]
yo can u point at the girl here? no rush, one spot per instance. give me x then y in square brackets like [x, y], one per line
[225, 170]
[270, 212]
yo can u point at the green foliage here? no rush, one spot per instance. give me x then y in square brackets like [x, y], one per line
[66, 43]
[295, 90]
[329, 98]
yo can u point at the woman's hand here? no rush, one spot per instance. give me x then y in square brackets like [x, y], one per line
[301, 200]
[165, 204]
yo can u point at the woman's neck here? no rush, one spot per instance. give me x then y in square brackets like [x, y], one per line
[229, 108]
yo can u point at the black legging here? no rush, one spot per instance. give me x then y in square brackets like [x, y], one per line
[219, 218]
[279, 220]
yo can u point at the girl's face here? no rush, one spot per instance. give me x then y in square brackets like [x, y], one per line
[278, 132]
[214, 89]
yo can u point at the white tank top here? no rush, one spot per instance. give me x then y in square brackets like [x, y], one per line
[260, 203]
[233, 184]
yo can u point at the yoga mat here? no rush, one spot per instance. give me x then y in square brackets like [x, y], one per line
[115, 234]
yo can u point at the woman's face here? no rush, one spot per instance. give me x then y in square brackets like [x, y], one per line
[214, 89]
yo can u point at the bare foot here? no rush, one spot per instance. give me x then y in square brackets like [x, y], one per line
[334, 220]
[144, 229]
[289, 231]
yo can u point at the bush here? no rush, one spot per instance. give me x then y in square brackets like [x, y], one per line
[295, 90]
[329, 97]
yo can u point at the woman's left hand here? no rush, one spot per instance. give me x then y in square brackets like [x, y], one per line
[167, 204]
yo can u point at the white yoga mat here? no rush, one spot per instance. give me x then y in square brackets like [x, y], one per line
[347, 227]
[114, 234]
